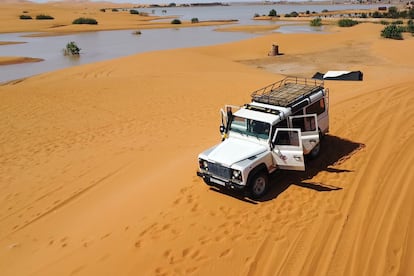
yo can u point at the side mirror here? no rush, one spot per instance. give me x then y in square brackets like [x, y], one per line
[222, 129]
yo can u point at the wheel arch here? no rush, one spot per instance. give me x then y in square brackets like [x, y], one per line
[259, 168]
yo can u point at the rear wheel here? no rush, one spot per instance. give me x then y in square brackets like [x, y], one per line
[315, 151]
[259, 185]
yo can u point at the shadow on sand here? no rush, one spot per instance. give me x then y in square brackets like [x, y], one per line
[334, 151]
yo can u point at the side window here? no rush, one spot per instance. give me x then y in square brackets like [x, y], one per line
[287, 138]
[317, 107]
[281, 124]
[304, 123]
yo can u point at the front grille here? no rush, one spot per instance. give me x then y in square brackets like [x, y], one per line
[219, 170]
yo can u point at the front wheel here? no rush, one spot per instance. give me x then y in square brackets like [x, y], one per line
[259, 185]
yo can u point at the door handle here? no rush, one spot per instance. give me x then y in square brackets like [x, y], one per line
[297, 158]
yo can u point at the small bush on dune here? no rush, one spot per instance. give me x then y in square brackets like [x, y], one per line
[316, 22]
[397, 22]
[194, 20]
[392, 31]
[292, 14]
[410, 26]
[44, 17]
[347, 23]
[83, 20]
[176, 21]
[25, 17]
[273, 12]
[133, 12]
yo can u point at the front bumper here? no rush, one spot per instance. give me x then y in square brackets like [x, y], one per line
[218, 182]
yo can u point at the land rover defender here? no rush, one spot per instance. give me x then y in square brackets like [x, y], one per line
[283, 122]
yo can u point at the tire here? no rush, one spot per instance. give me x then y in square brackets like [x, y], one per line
[315, 151]
[258, 185]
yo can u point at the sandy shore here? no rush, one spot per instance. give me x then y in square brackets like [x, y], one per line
[98, 165]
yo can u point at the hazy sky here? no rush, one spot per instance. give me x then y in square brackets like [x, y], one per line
[159, 1]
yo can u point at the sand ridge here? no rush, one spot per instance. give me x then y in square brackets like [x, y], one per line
[98, 165]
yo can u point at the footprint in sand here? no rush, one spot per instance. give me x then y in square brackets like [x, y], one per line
[226, 253]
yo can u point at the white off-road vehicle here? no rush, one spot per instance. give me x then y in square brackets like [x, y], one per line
[284, 122]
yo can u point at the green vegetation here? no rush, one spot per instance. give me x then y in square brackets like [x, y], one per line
[273, 13]
[292, 14]
[72, 49]
[133, 12]
[392, 31]
[316, 22]
[102, 10]
[393, 12]
[176, 21]
[194, 20]
[83, 20]
[44, 17]
[347, 22]
[25, 17]
[410, 26]
[115, 10]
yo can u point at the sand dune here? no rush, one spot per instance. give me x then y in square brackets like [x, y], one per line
[98, 165]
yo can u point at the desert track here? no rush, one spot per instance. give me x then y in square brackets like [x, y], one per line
[98, 168]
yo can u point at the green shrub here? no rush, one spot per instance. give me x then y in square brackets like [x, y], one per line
[102, 10]
[176, 21]
[377, 14]
[324, 10]
[393, 12]
[410, 26]
[194, 20]
[256, 15]
[273, 12]
[392, 31]
[114, 10]
[44, 17]
[410, 13]
[25, 17]
[384, 22]
[83, 20]
[347, 22]
[133, 12]
[397, 22]
[316, 22]
[72, 49]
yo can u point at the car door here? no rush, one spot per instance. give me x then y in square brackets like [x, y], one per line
[287, 149]
[308, 124]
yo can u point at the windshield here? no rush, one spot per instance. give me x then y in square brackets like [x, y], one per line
[250, 127]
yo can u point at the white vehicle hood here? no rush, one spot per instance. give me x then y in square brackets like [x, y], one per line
[233, 150]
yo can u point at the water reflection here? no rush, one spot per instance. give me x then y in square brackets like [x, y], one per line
[97, 46]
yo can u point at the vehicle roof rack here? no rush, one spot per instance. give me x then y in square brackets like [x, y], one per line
[287, 92]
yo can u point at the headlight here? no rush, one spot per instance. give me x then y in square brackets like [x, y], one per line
[237, 175]
[203, 164]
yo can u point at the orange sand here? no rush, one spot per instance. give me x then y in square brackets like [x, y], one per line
[98, 165]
